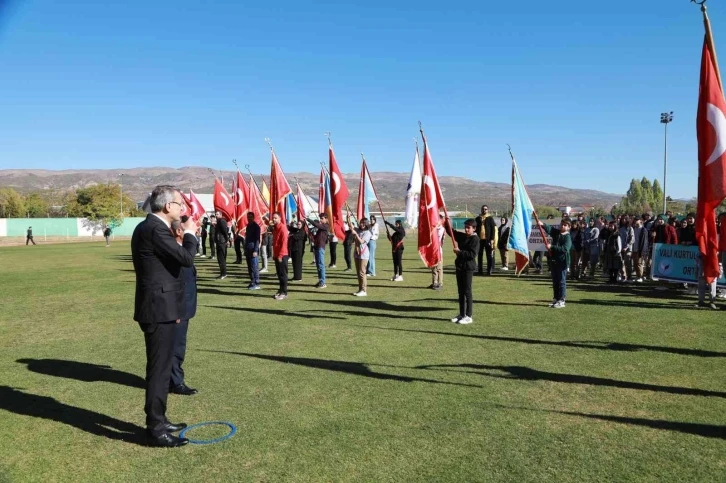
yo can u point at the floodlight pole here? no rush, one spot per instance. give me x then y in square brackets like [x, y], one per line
[665, 118]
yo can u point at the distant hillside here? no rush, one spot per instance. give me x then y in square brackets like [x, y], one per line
[391, 187]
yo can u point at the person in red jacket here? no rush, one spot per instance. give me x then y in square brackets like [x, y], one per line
[664, 232]
[280, 250]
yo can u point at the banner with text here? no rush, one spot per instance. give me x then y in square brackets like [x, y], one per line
[677, 263]
[536, 243]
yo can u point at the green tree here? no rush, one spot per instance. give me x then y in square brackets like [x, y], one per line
[101, 202]
[647, 187]
[11, 204]
[36, 206]
[657, 196]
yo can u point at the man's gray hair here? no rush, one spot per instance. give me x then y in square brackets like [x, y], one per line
[175, 225]
[161, 195]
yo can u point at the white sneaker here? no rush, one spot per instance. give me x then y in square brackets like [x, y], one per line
[466, 320]
[560, 304]
[457, 319]
[552, 304]
[264, 270]
[639, 280]
[361, 294]
[398, 279]
[505, 268]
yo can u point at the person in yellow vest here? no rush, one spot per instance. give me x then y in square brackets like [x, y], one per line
[486, 230]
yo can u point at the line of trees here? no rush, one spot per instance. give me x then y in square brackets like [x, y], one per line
[644, 196]
[101, 202]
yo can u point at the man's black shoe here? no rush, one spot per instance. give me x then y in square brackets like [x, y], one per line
[174, 428]
[183, 390]
[166, 440]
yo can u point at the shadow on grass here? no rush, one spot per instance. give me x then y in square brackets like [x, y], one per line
[528, 374]
[378, 305]
[705, 430]
[279, 312]
[355, 368]
[19, 402]
[610, 346]
[82, 371]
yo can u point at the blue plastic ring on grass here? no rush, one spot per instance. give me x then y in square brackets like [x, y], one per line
[232, 431]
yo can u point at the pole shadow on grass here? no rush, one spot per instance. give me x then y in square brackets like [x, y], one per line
[610, 346]
[355, 368]
[82, 371]
[522, 373]
[278, 312]
[705, 430]
[44, 407]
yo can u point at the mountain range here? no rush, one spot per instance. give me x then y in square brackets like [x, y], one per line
[459, 193]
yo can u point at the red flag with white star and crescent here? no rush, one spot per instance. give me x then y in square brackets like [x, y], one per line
[711, 133]
[431, 201]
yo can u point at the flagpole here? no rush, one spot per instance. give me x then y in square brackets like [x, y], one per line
[709, 39]
[380, 210]
[534, 212]
[423, 190]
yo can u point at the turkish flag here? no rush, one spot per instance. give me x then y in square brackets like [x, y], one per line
[430, 202]
[339, 195]
[257, 204]
[242, 202]
[186, 209]
[195, 206]
[711, 133]
[279, 188]
[301, 214]
[223, 202]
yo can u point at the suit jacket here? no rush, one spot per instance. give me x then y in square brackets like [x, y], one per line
[489, 226]
[158, 261]
[190, 282]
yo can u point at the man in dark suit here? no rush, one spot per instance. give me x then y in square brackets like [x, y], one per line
[160, 303]
[177, 384]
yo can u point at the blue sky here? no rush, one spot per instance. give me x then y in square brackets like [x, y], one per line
[576, 88]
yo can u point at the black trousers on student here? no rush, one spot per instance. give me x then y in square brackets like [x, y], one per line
[222, 259]
[180, 350]
[398, 262]
[238, 241]
[463, 284]
[212, 247]
[489, 250]
[347, 251]
[333, 253]
[281, 269]
[159, 339]
[297, 263]
[204, 245]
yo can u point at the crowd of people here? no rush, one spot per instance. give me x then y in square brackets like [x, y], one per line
[165, 244]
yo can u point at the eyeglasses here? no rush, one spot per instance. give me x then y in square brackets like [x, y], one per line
[176, 203]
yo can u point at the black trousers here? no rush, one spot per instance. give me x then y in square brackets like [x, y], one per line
[463, 284]
[489, 250]
[297, 264]
[29, 240]
[333, 253]
[281, 268]
[212, 248]
[222, 259]
[347, 251]
[204, 246]
[180, 350]
[159, 340]
[398, 262]
[238, 241]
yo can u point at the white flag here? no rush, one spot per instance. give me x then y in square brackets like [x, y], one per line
[413, 192]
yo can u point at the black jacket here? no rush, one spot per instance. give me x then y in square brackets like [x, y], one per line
[321, 236]
[296, 239]
[158, 261]
[489, 224]
[503, 237]
[397, 237]
[221, 234]
[190, 281]
[469, 249]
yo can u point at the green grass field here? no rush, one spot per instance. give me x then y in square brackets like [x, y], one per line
[625, 384]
